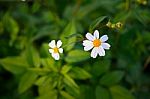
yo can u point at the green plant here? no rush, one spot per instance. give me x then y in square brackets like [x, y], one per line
[27, 27]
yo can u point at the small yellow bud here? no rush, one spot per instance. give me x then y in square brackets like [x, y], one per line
[119, 24]
[109, 24]
[113, 26]
[144, 2]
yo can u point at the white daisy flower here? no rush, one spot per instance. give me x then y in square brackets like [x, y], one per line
[98, 44]
[55, 49]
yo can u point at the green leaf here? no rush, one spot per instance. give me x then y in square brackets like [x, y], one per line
[69, 30]
[35, 6]
[41, 80]
[11, 26]
[101, 21]
[66, 95]
[44, 53]
[49, 63]
[71, 84]
[50, 94]
[100, 67]
[27, 81]
[102, 93]
[40, 71]
[146, 38]
[112, 78]
[77, 56]
[46, 84]
[87, 92]
[119, 92]
[79, 73]
[65, 69]
[68, 80]
[15, 65]
[32, 56]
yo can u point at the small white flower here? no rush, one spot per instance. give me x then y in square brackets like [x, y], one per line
[98, 44]
[55, 49]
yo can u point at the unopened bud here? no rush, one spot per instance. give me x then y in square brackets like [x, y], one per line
[113, 26]
[109, 24]
[119, 24]
[144, 2]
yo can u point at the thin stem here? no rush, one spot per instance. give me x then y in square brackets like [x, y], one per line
[77, 7]
[72, 43]
[127, 4]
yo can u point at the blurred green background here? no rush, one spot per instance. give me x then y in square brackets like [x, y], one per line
[27, 70]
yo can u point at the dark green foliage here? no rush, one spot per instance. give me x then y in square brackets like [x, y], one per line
[27, 70]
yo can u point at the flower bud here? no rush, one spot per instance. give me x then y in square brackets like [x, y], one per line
[113, 26]
[144, 2]
[109, 24]
[119, 25]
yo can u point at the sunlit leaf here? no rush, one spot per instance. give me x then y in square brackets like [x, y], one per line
[46, 85]
[50, 94]
[72, 86]
[41, 80]
[65, 69]
[66, 95]
[77, 56]
[40, 71]
[68, 80]
[27, 81]
[79, 73]
[15, 65]
[119, 92]
[48, 63]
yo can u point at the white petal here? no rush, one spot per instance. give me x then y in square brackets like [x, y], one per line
[94, 52]
[60, 50]
[104, 38]
[105, 45]
[87, 48]
[96, 34]
[59, 43]
[87, 43]
[101, 51]
[51, 50]
[55, 56]
[90, 37]
[52, 44]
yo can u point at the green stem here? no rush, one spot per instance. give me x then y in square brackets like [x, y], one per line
[127, 4]
[72, 43]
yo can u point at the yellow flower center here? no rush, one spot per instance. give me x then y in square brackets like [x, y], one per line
[55, 50]
[96, 43]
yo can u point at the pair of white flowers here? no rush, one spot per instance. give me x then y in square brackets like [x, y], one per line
[93, 42]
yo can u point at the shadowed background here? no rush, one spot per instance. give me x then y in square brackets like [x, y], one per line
[27, 70]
